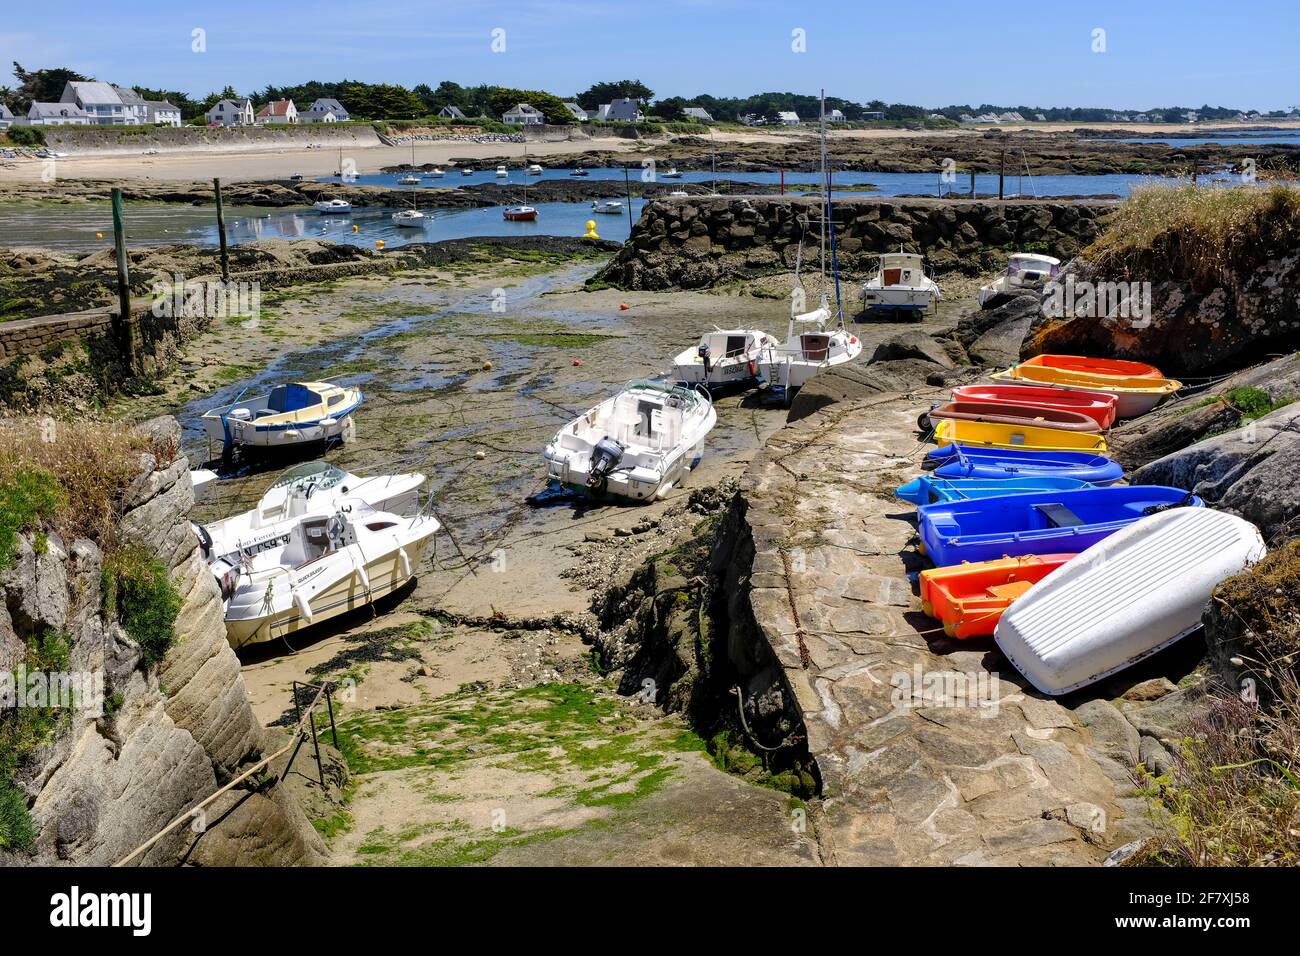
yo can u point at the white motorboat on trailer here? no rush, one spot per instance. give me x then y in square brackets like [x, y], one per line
[723, 357]
[1026, 271]
[332, 205]
[790, 364]
[1126, 597]
[900, 284]
[296, 413]
[311, 488]
[638, 444]
[326, 564]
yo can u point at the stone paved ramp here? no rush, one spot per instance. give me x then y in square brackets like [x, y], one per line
[1000, 776]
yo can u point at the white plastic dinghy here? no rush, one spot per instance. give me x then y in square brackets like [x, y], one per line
[1125, 598]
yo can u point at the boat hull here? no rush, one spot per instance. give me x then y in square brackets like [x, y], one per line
[1009, 413]
[956, 461]
[928, 490]
[1133, 396]
[1128, 597]
[1033, 437]
[1079, 364]
[970, 598]
[640, 484]
[1040, 522]
[1099, 406]
[530, 216]
[250, 434]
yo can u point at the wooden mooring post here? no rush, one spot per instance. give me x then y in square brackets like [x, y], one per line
[221, 232]
[1002, 172]
[122, 323]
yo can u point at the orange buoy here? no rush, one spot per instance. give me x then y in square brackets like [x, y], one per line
[379, 243]
[623, 307]
[577, 363]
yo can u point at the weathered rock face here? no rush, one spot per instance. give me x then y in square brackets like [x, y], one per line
[106, 784]
[1250, 471]
[699, 242]
[993, 337]
[1192, 328]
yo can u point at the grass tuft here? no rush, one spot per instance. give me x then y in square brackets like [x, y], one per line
[138, 592]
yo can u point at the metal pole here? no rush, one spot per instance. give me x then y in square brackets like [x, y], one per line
[221, 232]
[1002, 172]
[125, 335]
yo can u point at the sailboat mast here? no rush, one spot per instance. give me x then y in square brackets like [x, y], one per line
[821, 123]
[828, 218]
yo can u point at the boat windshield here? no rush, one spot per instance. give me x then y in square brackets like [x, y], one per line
[1041, 266]
[685, 396]
[322, 473]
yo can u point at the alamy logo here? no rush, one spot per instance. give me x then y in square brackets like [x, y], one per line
[1106, 300]
[73, 909]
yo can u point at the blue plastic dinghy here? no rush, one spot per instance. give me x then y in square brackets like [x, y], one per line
[957, 461]
[927, 490]
[1040, 522]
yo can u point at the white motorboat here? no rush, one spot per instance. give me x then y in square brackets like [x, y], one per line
[434, 173]
[679, 194]
[900, 285]
[312, 488]
[332, 205]
[467, 171]
[534, 170]
[639, 444]
[502, 172]
[410, 219]
[670, 173]
[723, 357]
[1026, 272]
[609, 207]
[1126, 597]
[324, 565]
[296, 413]
[804, 353]
[409, 181]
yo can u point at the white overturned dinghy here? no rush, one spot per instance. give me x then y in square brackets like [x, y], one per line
[637, 445]
[1126, 597]
[327, 565]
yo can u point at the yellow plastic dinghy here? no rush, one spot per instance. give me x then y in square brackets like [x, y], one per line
[1025, 437]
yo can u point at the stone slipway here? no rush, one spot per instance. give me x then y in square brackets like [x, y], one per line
[1010, 778]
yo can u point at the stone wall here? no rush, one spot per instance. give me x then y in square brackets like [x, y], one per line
[129, 139]
[694, 243]
[176, 732]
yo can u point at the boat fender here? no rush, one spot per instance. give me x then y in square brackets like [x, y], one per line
[205, 540]
[404, 562]
[303, 605]
[363, 577]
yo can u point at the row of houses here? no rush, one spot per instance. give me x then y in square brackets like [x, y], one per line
[89, 103]
[240, 112]
[791, 118]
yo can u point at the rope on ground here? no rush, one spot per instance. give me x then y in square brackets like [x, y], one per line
[265, 761]
[789, 741]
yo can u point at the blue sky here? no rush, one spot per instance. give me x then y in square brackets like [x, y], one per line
[1033, 52]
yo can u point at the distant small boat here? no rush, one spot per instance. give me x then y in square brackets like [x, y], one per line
[1026, 271]
[332, 205]
[1120, 601]
[434, 173]
[970, 598]
[409, 219]
[502, 172]
[519, 214]
[1009, 413]
[609, 207]
[928, 490]
[1099, 406]
[990, 435]
[534, 170]
[409, 181]
[960, 461]
[579, 172]
[671, 173]
[1039, 522]
[679, 194]
[467, 172]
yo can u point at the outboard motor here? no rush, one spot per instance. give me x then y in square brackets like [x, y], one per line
[705, 353]
[205, 540]
[604, 457]
[227, 574]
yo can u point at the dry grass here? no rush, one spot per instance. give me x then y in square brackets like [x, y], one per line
[1203, 234]
[90, 462]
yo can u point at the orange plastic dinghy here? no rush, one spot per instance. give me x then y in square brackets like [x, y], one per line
[969, 598]
[1118, 368]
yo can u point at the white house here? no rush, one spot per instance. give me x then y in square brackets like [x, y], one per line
[103, 103]
[578, 112]
[451, 112]
[698, 113]
[787, 118]
[523, 114]
[162, 113]
[58, 114]
[280, 112]
[623, 110]
[1191, 116]
[835, 116]
[231, 113]
[6, 117]
[324, 110]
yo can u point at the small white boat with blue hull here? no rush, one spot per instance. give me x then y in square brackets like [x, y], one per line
[296, 413]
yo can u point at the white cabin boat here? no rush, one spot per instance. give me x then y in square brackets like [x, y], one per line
[502, 172]
[332, 206]
[311, 488]
[466, 171]
[900, 284]
[1026, 271]
[809, 348]
[1125, 598]
[534, 170]
[409, 181]
[327, 564]
[638, 445]
[609, 207]
[723, 357]
[434, 173]
[409, 219]
[671, 173]
[296, 413]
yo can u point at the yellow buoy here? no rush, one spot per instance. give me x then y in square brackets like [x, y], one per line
[591, 230]
[99, 235]
[379, 243]
[356, 228]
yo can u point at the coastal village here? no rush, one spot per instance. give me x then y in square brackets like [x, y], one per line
[456, 475]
